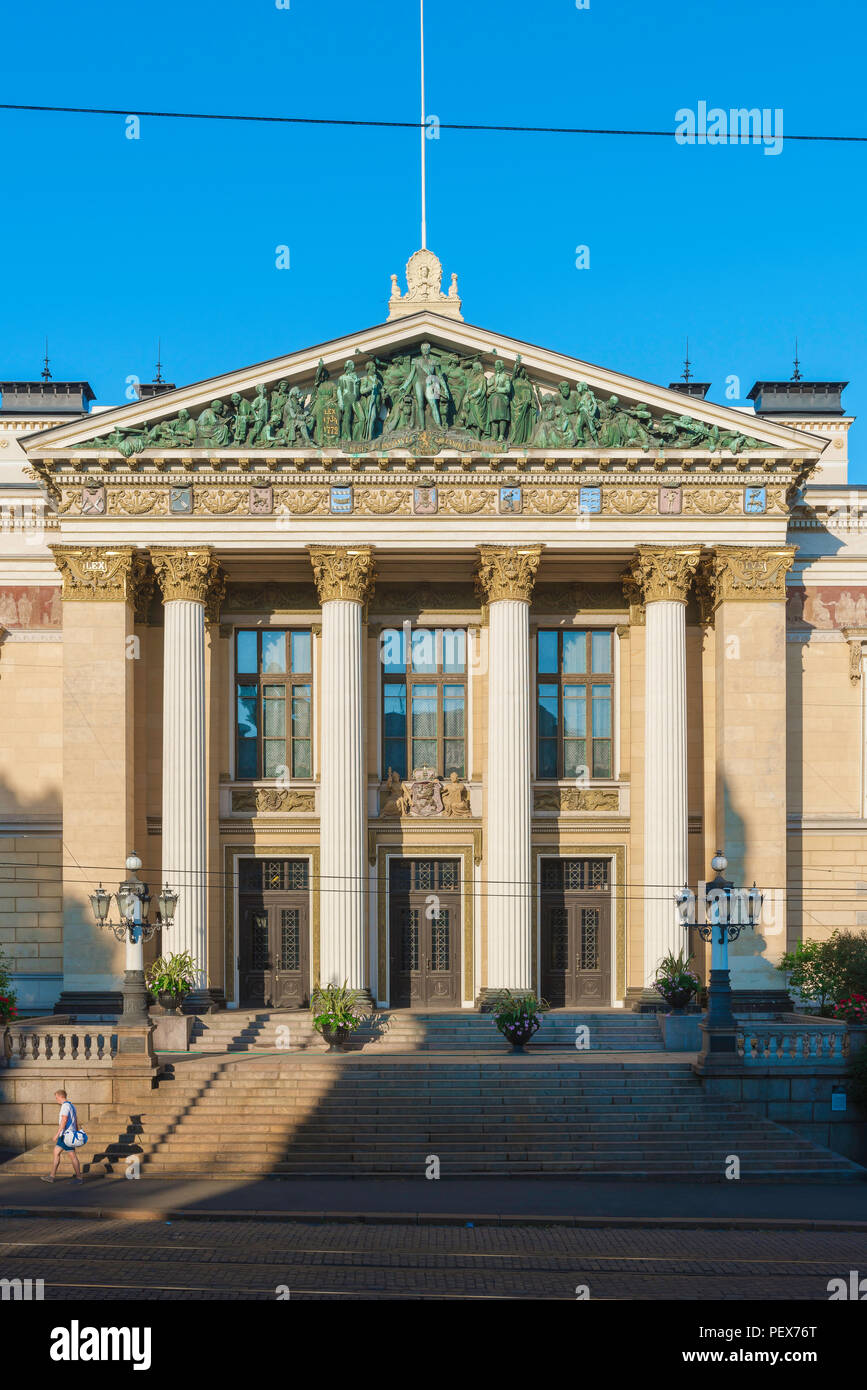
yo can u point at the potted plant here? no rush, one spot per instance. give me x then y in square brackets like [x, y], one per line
[676, 982]
[334, 1014]
[8, 997]
[171, 979]
[852, 1009]
[517, 1016]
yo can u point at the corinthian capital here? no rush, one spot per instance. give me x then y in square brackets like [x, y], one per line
[747, 573]
[343, 572]
[195, 575]
[507, 571]
[662, 572]
[106, 574]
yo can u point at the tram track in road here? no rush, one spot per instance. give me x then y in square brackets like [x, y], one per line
[241, 1261]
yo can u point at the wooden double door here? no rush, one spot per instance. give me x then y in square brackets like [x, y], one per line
[274, 933]
[425, 932]
[576, 932]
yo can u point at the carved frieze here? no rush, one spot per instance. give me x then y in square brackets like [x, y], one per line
[630, 501]
[712, 501]
[507, 571]
[224, 501]
[302, 501]
[573, 799]
[550, 501]
[270, 598]
[340, 572]
[138, 501]
[663, 572]
[265, 800]
[382, 501]
[467, 501]
[425, 598]
[577, 598]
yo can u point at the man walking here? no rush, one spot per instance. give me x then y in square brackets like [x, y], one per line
[67, 1125]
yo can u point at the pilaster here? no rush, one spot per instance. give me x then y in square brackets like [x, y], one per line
[102, 588]
[747, 591]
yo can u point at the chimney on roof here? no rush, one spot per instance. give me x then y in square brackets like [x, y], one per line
[699, 389]
[797, 397]
[45, 397]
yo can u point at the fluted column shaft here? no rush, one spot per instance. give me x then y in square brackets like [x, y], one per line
[185, 859]
[505, 578]
[665, 795]
[345, 578]
[342, 809]
[510, 902]
[662, 575]
[192, 586]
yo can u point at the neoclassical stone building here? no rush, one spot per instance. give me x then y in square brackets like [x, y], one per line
[429, 660]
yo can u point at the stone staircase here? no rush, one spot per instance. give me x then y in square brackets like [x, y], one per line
[267, 1031]
[307, 1116]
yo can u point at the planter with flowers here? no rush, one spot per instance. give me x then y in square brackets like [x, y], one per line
[675, 982]
[335, 1014]
[852, 1009]
[8, 997]
[517, 1016]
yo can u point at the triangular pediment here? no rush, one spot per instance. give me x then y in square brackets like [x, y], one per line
[380, 390]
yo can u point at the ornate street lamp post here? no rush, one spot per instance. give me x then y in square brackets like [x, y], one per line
[133, 905]
[728, 912]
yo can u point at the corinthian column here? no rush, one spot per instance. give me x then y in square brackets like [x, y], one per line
[189, 580]
[344, 581]
[662, 575]
[506, 576]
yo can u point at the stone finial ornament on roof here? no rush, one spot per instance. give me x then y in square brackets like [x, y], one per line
[424, 277]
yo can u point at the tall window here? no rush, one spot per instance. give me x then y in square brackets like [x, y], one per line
[424, 700]
[274, 689]
[574, 695]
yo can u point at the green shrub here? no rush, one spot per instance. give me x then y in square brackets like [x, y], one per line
[857, 1079]
[824, 972]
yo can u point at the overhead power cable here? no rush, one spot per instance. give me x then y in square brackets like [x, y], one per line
[698, 137]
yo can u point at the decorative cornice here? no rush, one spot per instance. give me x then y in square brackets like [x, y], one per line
[507, 572]
[102, 574]
[662, 572]
[194, 575]
[341, 572]
[746, 573]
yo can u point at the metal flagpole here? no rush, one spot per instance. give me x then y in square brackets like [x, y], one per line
[423, 149]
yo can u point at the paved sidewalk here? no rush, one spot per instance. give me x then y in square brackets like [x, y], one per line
[484, 1201]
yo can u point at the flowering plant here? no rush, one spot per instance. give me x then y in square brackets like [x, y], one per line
[8, 997]
[517, 1015]
[852, 1009]
[334, 1007]
[674, 977]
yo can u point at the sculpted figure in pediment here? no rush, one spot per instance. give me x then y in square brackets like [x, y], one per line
[523, 404]
[212, 427]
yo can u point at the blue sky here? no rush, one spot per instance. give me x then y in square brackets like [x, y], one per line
[108, 243]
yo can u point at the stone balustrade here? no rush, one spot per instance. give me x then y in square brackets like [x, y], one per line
[57, 1042]
[793, 1045]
